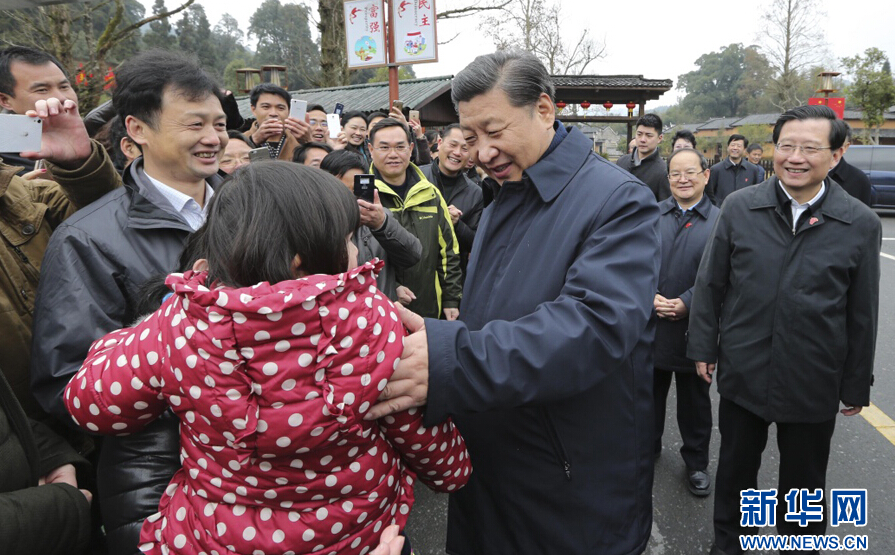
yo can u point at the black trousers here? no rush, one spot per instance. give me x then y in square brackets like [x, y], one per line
[804, 452]
[694, 414]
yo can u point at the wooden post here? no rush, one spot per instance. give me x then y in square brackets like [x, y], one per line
[392, 66]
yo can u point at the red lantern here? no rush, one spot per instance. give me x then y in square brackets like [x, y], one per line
[630, 106]
[585, 104]
[607, 105]
[560, 104]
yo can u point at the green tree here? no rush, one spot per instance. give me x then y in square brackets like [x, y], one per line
[381, 74]
[227, 41]
[229, 74]
[194, 36]
[283, 33]
[160, 34]
[63, 29]
[872, 89]
[725, 84]
[756, 133]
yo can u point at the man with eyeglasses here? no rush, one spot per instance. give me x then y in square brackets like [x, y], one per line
[733, 173]
[319, 131]
[435, 282]
[236, 153]
[686, 220]
[786, 305]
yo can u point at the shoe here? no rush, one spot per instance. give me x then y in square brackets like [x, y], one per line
[699, 483]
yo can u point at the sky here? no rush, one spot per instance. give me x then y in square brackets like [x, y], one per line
[665, 46]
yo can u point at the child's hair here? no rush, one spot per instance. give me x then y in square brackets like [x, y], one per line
[266, 213]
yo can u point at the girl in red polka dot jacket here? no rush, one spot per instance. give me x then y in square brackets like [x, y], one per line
[270, 352]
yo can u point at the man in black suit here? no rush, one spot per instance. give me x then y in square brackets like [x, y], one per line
[854, 181]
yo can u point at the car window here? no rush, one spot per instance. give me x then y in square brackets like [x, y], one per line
[859, 157]
[883, 159]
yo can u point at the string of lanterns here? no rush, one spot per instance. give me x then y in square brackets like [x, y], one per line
[560, 105]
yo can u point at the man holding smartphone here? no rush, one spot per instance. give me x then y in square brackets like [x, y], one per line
[273, 127]
[26, 76]
[31, 209]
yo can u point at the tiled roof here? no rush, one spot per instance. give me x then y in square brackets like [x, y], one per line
[856, 114]
[611, 81]
[717, 123]
[370, 97]
[757, 119]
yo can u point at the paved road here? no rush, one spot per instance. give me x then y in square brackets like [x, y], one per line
[861, 457]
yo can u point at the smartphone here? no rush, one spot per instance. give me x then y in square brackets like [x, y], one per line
[364, 185]
[20, 133]
[334, 125]
[399, 104]
[298, 109]
[339, 109]
[414, 114]
[259, 154]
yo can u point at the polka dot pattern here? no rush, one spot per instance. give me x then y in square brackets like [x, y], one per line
[271, 384]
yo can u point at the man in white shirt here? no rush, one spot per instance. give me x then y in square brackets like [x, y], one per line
[786, 303]
[98, 259]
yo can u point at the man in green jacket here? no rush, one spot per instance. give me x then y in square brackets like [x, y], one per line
[433, 286]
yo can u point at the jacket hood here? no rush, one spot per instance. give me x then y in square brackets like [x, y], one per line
[266, 302]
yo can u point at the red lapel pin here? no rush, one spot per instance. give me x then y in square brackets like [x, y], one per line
[812, 221]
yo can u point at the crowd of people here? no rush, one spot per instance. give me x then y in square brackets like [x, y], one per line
[213, 345]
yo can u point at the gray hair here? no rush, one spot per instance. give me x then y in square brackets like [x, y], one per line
[517, 73]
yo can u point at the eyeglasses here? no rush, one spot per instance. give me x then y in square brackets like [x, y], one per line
[233, 160]
[321, 123]
[787, 149]
[691, 174]
[400, 149]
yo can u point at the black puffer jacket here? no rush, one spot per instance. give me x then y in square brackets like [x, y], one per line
[467, 198]
[394, 245]
[48, 519]
[92, 271]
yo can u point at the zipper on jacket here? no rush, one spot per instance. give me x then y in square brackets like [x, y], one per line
[557, 445]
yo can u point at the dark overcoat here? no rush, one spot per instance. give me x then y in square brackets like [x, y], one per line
[791, 317]
[683, 239]
[549, 373]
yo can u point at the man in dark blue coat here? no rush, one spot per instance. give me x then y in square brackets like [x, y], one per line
[548, 372]
[685, 224]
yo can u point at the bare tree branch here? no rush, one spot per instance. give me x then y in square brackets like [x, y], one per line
[449, 40]
[134, 26]
[470, 10]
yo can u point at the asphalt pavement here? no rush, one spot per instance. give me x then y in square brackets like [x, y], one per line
[862, 457]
